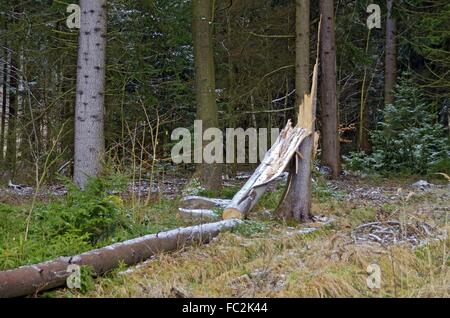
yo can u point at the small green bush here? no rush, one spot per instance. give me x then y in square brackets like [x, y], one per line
[79, 222]
[93, 212]
[409, 141]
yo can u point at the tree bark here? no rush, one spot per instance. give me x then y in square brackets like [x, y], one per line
[27, 280]
[302, 12]
[4, 104]
[390, 73]
[89, 108]
[329, 107]
[231, 169]
[205, 86]
[363, 143]
[199, 215]
[296, 202]
[11, 142]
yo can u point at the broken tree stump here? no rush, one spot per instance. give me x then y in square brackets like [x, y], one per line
[272, 166]
[28, 280]
[296, 201]
[297, 198]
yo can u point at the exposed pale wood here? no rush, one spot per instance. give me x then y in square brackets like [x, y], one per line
[316, 144]
[307, 112]
[272, 166]
[27, 280]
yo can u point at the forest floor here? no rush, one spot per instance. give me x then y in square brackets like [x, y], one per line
[360, 221]
[383, 222]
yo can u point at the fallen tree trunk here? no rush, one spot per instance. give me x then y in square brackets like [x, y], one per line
[197, 208]
[273, 165]
[198, 214]
[27, 280]
[196, 202]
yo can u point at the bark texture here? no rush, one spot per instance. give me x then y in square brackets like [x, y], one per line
[4, 104]
[11, 140]
[198, 215]
[329, 106]
[89, 108]
[390, 73]
[302, 12]
[296, 202]
[363, 143]
[205, 84]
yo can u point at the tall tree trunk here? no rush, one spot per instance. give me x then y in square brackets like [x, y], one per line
[89, 107]
[202, 12]
[363, 143]
[22, 146]
[4, 104]
[302, 84]
[296, 203]
[329, 107]
[11, 142]
[232, 168]
[363, 127]
[390, 73]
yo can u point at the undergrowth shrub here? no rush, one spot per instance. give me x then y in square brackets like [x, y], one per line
[78, 222]
[93, 213]
[409, 141]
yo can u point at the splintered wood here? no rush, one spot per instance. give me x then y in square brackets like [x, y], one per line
[286, 148]
[273, 165]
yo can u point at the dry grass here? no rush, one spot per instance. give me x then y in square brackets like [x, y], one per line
[275, 262]
[325, 265]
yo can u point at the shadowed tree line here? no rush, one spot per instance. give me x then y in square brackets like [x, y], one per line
[246, 65]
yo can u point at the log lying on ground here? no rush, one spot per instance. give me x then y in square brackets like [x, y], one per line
[196, 202]
[198, 214]
[273, 165]
[200, 208]
[27, 280]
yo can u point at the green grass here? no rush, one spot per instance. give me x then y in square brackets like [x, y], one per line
[362, 215]
[326, 262]
[251, 228]
[224, 193]
[77, 223]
